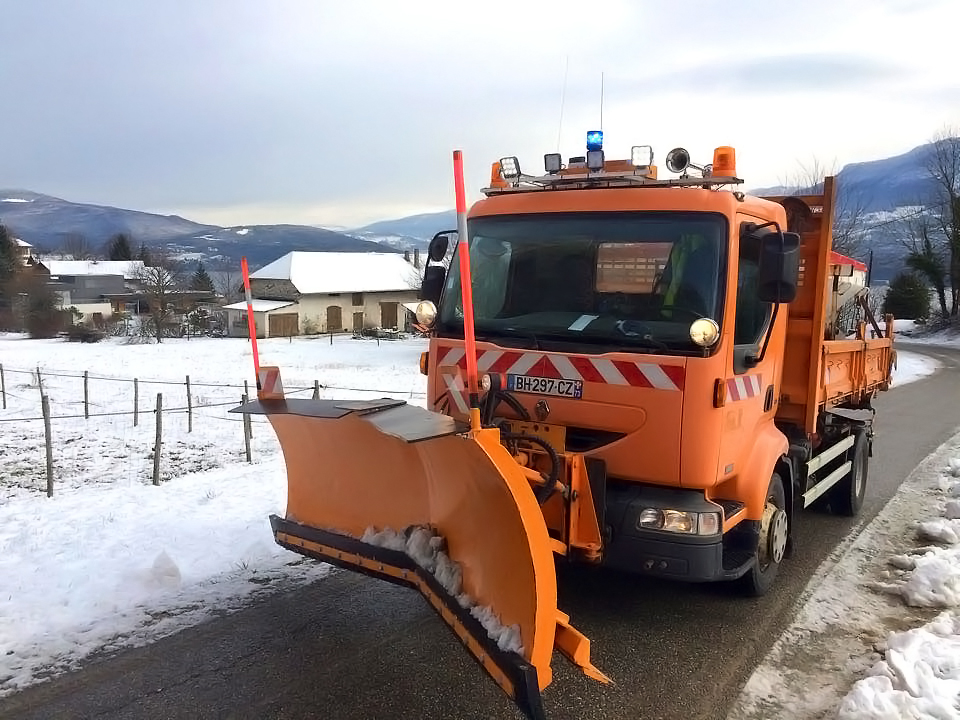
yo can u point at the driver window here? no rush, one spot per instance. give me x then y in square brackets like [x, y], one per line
[751, 314]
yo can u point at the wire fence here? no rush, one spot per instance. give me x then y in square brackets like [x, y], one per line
[89, 425]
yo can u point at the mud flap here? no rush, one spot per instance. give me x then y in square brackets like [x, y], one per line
[364, 476]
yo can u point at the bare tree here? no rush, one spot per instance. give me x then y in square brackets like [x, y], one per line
[933, 234]
[78, 247]
[161, 280]
[850, 208]
[230, 285]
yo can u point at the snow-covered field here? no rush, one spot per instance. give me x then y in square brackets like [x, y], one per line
[111, 560]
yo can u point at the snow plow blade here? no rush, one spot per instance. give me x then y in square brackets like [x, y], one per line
[410, 496]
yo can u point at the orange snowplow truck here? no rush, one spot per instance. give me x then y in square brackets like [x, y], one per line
[668, 371]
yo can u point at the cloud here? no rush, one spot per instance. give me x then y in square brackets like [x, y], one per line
[355, 107]
[778, 75]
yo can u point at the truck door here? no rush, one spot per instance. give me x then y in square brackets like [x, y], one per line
[749, 388]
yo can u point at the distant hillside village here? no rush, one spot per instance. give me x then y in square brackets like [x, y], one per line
[146, 293]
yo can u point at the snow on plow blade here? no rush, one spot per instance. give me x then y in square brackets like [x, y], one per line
[408, 496]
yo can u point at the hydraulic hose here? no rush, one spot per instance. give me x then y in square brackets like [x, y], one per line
[552, 477]
[492, 402]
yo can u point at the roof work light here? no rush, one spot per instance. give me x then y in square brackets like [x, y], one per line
[553, 163]
[510, 167]
[595, 160]
[641, 155]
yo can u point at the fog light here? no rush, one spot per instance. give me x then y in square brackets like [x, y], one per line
[650, 518]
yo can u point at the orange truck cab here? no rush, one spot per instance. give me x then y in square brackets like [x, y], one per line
[682, 367]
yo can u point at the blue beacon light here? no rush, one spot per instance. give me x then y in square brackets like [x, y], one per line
[595, 140]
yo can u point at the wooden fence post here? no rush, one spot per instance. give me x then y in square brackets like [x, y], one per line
[3, 387]
[136, 401]
[189, 407]
[39, 381]
[246, 416]
[45, 406]
[86, 394]
[316, 389]
[158, 442]
[246, 432]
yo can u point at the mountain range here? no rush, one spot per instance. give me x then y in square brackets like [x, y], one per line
[877, 188]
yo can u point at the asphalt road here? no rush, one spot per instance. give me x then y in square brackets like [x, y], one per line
[349, 647]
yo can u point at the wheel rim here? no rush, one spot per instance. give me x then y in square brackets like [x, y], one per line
[778, 539]
[773, 535]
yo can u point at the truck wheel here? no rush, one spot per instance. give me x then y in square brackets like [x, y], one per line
[772, 542]
[847, 497]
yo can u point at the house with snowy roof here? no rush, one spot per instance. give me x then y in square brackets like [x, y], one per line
[330, 292]
[96, 288]
[24, 250]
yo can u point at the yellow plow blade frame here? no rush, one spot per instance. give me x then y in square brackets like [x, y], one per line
[353, 467]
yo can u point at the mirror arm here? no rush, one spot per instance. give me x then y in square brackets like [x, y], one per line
[754, 360]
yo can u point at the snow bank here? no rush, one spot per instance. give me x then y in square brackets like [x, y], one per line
[427, 550]
[918, 678]
[912, 367]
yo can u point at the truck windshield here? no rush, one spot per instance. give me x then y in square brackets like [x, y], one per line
[614, 279]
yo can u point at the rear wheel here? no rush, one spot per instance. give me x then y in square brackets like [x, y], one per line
[847, 497]
[771, 542]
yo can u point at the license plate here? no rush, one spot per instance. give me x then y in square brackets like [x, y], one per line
[545, 386]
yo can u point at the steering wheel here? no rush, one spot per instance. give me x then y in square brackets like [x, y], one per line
[677, 308]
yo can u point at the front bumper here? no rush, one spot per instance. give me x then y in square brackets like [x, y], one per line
[659, 553]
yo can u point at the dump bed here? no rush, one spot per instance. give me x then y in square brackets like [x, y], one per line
[818, 372]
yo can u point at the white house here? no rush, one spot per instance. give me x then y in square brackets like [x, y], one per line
[330, 292]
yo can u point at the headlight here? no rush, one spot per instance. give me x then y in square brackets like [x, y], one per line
[704, 332]
[426, 313]
[679, 521]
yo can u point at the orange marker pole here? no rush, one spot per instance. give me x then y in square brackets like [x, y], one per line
[466, 286]
[251, 322]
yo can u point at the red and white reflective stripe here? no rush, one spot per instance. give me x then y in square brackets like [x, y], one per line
[270, 385]
[743, 387]
[457, 390]
[569, 367]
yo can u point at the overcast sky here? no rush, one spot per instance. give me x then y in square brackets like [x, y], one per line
[345, 112]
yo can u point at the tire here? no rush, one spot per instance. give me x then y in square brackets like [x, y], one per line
[759, 579]
[847, 497]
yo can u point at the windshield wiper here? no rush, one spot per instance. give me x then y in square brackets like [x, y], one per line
[637, 331]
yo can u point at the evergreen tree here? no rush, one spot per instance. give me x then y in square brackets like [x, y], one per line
[201, 280]
[908, 297]
[9, 261]
[119, 248]
[145, 255]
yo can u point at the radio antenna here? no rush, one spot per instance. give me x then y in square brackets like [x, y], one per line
[601, 101]
[563, 96]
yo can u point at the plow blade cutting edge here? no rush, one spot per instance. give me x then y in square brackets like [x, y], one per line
[408, 496]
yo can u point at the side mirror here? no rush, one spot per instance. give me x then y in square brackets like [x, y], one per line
[434, 278]
[440, 243]
[779, 271]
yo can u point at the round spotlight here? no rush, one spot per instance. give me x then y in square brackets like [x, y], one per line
[677, 160]
[426, 313]
[704, 332]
